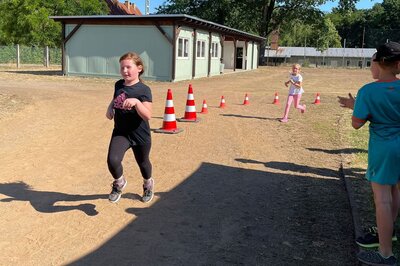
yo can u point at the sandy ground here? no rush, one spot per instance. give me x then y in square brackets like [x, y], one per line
[237, 188]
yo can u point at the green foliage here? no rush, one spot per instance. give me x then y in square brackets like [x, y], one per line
[368, 28]
[256, 16]
[29, 55]
[27, 22]
[8, 54]
[321, 34]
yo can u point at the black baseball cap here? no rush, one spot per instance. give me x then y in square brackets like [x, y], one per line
[388, 52]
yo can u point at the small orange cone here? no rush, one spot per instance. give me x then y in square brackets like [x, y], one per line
[317, 99]
[169, 122]
[222, 104]
[246, 100]
[276, 99]
[190, 109]
[204, 109]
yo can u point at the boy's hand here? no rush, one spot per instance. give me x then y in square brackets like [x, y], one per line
[347, 102]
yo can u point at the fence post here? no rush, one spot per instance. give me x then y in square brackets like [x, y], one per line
[47, 59]
[18, 62]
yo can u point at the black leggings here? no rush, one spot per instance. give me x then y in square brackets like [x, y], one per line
[116, 151]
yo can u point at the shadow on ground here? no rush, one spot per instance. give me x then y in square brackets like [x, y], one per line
[38, 72]
[224, 215]
[44, 201]
[324, 172]
[253, 117]
[339, 151]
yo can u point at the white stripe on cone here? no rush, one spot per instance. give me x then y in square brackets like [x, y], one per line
[169, 103]
[169, 117]
[190, 108]
[190, 97]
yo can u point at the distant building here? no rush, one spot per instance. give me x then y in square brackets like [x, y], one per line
[173, 47]
[127, 8]
[332, 57]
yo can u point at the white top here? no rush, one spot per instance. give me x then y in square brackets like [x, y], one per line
[293, 90]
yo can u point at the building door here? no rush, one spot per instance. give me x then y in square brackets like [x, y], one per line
[239, 57]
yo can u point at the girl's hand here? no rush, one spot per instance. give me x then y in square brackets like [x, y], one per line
[130, 103]
[110, 113]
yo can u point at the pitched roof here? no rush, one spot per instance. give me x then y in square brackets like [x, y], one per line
[311, 51]
[169, 19]
[127, 8]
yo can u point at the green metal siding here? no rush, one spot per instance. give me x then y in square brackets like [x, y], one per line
[94, 50]
[202, 63]
[216, 62]
[255, 55]
[183, 69]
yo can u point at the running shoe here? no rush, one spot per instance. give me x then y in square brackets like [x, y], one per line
[148, 191]
[116, 191]
[304, 110]
[375, 258]
[370, 239]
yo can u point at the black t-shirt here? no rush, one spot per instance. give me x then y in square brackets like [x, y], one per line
[128, 122]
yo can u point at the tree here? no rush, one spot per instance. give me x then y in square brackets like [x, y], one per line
[368, 28]
[321, 34]
[27, 21]
[346, 6]
[255, 16]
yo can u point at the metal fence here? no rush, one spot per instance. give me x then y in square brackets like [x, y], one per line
[19, 55]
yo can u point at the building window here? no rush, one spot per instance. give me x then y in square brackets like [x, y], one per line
[183, 48]
[368, 63]
[201, 49]
[347, 62]
[214, 50]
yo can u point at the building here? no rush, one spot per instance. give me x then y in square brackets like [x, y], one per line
[173, 47]
[118, 8]
[332, 57]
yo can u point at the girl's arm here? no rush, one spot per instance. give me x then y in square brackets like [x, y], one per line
[110, 110]
[144, 109]
[297, 84]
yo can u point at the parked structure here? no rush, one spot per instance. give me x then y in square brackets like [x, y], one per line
[332, 57]
[173, 47]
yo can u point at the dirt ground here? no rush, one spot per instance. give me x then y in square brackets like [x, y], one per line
[237, 188]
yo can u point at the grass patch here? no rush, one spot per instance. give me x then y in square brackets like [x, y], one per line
[359, 141]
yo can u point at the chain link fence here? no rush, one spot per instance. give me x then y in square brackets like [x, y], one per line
[33, 55]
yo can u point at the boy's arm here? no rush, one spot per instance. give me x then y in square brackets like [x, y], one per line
[357, 122]
[347, 102]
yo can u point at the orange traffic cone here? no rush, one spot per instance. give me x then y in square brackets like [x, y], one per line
[190, 110]
[169, 122]
[317, 99]
[246, 100]
[276, 99]
[222, 103]
[204, 109]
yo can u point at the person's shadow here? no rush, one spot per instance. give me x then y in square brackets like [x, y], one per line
[46, 201]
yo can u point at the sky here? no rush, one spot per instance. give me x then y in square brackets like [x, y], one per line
[362, 4]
